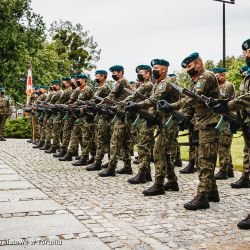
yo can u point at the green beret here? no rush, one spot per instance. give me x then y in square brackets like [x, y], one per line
[132, 82]
[246, 45]
[172, 75]
[116, 68]
[101, 72]
[35, 87]
[243, 69]
[43, 87]
[159, 62]
[57, 82]
[82, 76]
[189, 59]
[74, 76]
[66, 79]
[219, 70]
[142, 67]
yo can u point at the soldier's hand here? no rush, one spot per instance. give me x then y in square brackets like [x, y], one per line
[220, 108]
[132, 107]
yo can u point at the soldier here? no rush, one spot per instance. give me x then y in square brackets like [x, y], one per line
[68, 120]
[162, 148]
[145, 133]
[225, 140]
[57, 121]
[205, 83]
[121, 129]
[86, 94]
[4, 112]
[102, 132]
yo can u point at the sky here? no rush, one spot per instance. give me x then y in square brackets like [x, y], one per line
[133, 32]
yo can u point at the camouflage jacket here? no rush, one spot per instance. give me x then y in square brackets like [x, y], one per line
[4, 105]
[86, 93]
[118, 93]
[65, 96]
[74, 95]
[102, 91]
[205, 84]
[49, 96]
[226, 90]
[56, 96]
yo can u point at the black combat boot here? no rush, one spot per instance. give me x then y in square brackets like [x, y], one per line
[244, 224]
[213, 196]
[30, 141]
[189, 169]
[52, 149]
[137, 156]
[178, 162]
[67, 157]
[94, 166]
[243, 182]
[230, 173]
[91, 160]
[107, 172]
[171, 186]
[136, 161]
[61, 153]
[148, 175]
[39, 145]
[81, 162]
[46, 146]
[125, 170]
[221, 175]
[139, 178]
[156, 189]
[197, 203]
[105, 165]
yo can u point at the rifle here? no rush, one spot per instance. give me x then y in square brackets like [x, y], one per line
[233, 120]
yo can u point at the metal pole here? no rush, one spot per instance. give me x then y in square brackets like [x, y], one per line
[224, 35]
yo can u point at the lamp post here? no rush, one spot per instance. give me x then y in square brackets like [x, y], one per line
[224, 27]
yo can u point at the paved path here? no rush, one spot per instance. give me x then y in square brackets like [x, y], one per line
[54, 205]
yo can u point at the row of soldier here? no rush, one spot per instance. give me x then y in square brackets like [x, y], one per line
[156, 101]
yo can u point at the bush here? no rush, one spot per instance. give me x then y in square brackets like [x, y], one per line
[18, 128]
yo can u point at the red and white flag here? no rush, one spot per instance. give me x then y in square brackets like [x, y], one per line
[29, 82]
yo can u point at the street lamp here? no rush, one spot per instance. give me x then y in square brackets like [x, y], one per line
[224, 27]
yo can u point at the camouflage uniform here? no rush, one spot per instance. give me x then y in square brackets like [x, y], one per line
[85, 94]
[205, 122]
[4, 111]
[121, 130]
[225, 139]
[57, 121]
[69, 121]
[102, 132]
[162, 148]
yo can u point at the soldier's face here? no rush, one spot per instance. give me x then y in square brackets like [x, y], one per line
[100, 78]
[247, 53]
[221, 77]
[66, 84]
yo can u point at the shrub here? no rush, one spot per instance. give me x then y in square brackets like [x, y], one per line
[18, 128]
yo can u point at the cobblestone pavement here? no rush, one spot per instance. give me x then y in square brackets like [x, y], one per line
[117, 213]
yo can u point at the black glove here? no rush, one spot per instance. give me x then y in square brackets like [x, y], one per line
[165, 106]
[132, 107]
[220, 108]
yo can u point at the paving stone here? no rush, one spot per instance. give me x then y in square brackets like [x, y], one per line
[29, 206]
[13, 185]
[7, 171]
[10, 177]
[45, 225]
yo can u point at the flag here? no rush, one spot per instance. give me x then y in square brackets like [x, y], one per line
[29, 82]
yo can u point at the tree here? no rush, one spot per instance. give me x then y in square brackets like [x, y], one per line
[81, 48]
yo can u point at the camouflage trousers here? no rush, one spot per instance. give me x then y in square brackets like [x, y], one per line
[43, 129]
[162, 155]
[145, 145]
[207, 156]
[246, 155]
[224, 150]
[133, 137]
[119, 144]
[175, 149]
[2, 124]
[88, 144]
[66, 133]
[75, 138]
[102, 139]
[49, 128]
[56, 132]
[193, 150]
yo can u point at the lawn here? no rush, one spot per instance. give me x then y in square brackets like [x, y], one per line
[237, 150]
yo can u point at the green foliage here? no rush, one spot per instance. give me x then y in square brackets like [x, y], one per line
[183, 79]
[18, 128]
[81, 49]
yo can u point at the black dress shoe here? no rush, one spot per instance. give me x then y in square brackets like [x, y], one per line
[171, 186]
[156, 189]
[197, 203]
[107, 172]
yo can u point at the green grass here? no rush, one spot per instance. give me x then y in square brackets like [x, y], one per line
[236, 150]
